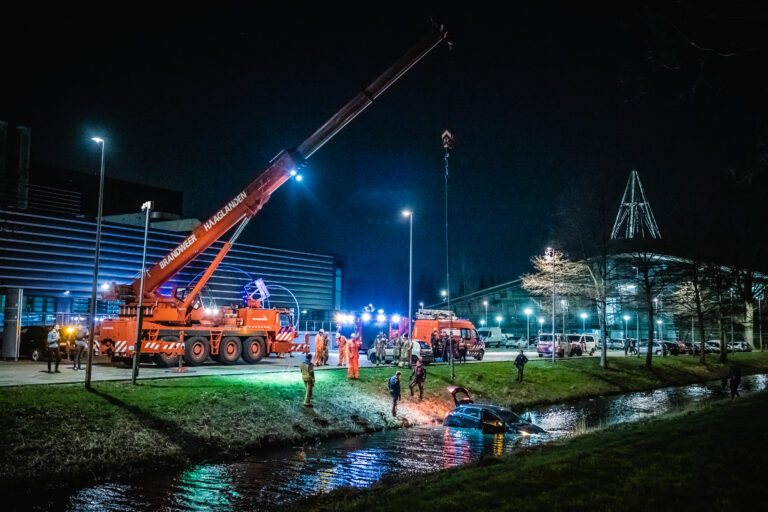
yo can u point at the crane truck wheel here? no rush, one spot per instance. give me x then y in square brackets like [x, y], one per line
[230, 350]
[196, 350]
[254, 349]
[167, 360]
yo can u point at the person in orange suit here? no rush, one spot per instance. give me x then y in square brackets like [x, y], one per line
[353, 353]
[319, 345]
[342, 342]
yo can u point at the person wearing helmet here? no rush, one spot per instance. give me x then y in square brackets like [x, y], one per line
[353, 352]
[53, 348]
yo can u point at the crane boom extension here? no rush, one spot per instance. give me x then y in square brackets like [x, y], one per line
[251, 199]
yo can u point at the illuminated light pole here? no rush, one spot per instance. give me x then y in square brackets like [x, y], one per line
[583, 321]
[421, 306]
[498, 321]
[564, 305]
[626, 319]
[541, 325]
[448, 140]
[661, 335]
[147, 207]
[550, 256]
[482, 322]
[409, 214]
[528, 312]
[89, 364]
[485, 303]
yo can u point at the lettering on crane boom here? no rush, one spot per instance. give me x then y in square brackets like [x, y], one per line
[224, 211]
[183, 246]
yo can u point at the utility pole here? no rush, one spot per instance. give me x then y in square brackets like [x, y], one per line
[448, 141]
[550, 255]
[89, 364]
[146, 207]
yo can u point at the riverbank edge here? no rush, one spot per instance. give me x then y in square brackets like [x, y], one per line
[679, 461]
[142, 464]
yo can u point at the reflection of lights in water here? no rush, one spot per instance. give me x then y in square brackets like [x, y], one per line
[456, 447]
[361, 468]
[206, 487]
[498, 444]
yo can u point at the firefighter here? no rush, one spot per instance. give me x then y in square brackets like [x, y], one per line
[326, 346]
[396, 351]
[308, 376]
[462, 350]
[418, 377]
[394, 390]
[341, 340]
[80, 345]
[319, 340]
[405, 353]
[381, 350]
[353, 346]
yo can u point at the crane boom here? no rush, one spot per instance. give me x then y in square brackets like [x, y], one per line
[255, 195]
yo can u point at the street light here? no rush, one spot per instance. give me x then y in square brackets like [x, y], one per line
[541, 325]
[89, 364]
[485, 303]
[626, 319]
[528, 312]
[482, 322]
[146, 207]
[409, 214]
[564, 305]
[661, 335]
[498, 321]
[583, 321]
[421, 306]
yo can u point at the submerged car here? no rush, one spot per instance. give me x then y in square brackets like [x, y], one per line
[491, 419]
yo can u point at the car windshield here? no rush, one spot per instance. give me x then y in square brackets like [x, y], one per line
[545, 338]
[507, 416]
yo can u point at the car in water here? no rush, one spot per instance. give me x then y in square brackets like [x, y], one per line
[491, 419]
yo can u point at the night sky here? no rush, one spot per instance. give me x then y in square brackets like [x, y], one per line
[545, 103]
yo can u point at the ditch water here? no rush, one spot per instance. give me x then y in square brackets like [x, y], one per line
[283, 475]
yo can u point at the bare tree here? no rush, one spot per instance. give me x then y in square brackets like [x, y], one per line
[693, 298]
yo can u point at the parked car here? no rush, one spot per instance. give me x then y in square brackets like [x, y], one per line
[658, 348]
[740, 346]
[675, 347]
[491, 419]
[516, 342]
[33, 342]
[425, 349]
[614, 344]
[492, 336]
[714, 345]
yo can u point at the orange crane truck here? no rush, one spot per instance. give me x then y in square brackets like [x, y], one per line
[177, 326]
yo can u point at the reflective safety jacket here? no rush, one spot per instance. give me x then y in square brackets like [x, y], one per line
[308, 372]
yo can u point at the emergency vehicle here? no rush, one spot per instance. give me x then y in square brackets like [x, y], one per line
[446, 322]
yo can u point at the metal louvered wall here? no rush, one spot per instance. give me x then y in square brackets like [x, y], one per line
[50, 256]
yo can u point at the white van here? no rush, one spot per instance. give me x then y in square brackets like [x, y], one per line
[492, 336]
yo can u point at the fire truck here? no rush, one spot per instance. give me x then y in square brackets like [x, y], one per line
[177, 326]
[446, 322]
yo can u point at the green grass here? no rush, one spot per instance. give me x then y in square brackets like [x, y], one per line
[55, 435]
[710, 459]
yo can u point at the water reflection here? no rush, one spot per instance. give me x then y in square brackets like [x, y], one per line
[282, 475]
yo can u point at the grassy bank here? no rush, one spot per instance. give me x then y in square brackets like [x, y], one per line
[710, 459]
[61, 434]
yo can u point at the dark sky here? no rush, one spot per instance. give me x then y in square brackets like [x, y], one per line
[544, 102]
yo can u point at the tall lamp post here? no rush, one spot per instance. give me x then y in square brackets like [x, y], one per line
[550, 256]
[409, 214]
[583, 322]
[528, 312]
[498, 321]
[485, 303]
[448, 140]
[661, 335]
[146, 207]
[89, 365]
[626, 319]
[541, 325]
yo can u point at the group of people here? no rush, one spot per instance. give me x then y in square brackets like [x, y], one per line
[417, 379]
[349, 352]
[441, 347]
[54, 353]
[404, 350]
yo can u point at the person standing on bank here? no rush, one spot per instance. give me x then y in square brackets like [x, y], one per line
[381, 351]
[53, 348]
[418, 376]
[396, 351]
[520, 361]
[462, 350]
[308, 376]
[353, 352]
[326, 348]
[341, 341]
[80, 346]
[319, 338]
[734, 379]
[394, 390]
